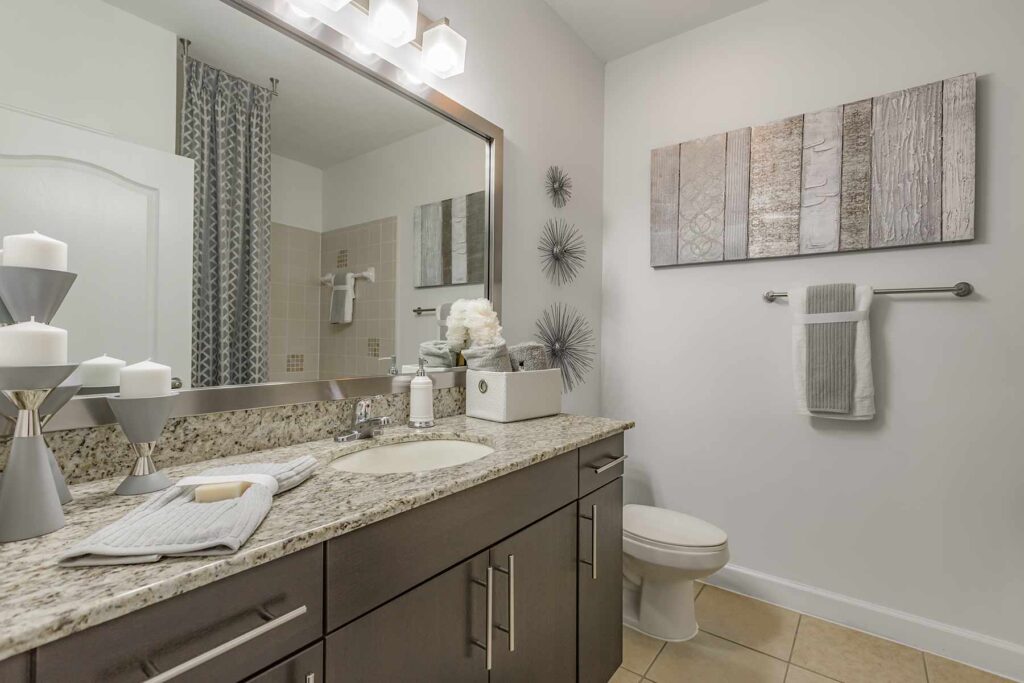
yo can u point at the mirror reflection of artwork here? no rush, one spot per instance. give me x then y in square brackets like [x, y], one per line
[449, 241]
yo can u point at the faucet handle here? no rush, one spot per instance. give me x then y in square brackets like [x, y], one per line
[363, 410]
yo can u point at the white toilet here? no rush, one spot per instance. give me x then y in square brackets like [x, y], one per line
[663, 553]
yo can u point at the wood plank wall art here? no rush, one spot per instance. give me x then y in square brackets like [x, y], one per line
[449, 241]
[892, 171]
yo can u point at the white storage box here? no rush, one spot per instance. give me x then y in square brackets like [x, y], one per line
[513, 396]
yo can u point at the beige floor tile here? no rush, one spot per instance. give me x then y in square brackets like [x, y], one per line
[766, 628]
[707, 658]
[798, 675]
[638, 650]
[941, 670]
[623, 676]
[854, 657]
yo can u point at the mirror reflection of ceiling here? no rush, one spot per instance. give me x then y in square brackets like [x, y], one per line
[326, 114]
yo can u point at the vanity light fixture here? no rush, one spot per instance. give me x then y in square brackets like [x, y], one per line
[411, 79]
[394, 21]
[444, 50]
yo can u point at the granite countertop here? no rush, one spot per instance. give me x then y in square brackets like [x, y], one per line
[41, 602]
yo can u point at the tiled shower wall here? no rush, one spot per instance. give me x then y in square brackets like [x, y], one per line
[360, 347]
[294, 304]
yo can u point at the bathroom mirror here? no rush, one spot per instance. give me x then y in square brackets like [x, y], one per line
[242, 201]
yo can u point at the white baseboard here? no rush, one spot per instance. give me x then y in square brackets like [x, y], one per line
[975, 649]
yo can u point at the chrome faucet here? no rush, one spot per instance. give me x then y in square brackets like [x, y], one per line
[366, 427]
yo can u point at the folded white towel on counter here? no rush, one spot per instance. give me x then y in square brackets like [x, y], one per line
[171, 523]
[863, 403]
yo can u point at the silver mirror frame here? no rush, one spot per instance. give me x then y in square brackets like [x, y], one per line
[91, 411]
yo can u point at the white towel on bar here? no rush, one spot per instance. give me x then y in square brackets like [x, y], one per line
[170, 523]
[863, 407]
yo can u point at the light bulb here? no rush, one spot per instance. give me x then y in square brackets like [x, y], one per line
[394, 21]
[440, 59]
[444, 51]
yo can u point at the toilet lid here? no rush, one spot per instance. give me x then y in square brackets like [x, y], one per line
[670, 527]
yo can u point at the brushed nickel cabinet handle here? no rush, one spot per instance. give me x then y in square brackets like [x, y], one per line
[593, 541]
[310, 678]
[511, 630]
[199, 660]
[487, 645]
[600, 469]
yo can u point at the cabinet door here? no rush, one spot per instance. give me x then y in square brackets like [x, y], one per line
[600, 583]
[306, 666]
[534, 637]
[426, 634]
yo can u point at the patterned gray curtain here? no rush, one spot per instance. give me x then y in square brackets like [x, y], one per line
[225, 128]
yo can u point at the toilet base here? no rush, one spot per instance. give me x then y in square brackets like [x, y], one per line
[661, 609]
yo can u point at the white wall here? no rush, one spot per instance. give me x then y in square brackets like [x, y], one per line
[438, 164]
[921, 510]
[528, 73]
[296, 194]
[88, 63]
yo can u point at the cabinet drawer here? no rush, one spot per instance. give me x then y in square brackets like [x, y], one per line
[369, 566]
[15, 669]
[302, 667]
[166, 635]
[596, 456]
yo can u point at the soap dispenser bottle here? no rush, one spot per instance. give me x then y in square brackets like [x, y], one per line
[421, 400]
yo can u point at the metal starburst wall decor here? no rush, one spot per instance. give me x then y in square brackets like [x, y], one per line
[562, 251]
[559, 186]
[569, 342]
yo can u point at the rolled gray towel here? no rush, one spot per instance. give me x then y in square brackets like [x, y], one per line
[437, 354]
[529, 356]
[492, 357]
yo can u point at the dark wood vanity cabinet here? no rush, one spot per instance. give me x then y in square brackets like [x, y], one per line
[599, 636]
[516, 579]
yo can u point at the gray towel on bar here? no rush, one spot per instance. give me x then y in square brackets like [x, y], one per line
[492, 357]
[529, 356]
[170, 523]
[436, 354]
[830, 349]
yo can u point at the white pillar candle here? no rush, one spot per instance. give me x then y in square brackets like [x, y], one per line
[145, 380]
[33, 250]
[32, 343]
[103, 371]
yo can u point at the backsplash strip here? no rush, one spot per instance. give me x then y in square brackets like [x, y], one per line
[93, 453]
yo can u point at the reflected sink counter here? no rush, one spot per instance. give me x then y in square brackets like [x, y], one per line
[41, 602]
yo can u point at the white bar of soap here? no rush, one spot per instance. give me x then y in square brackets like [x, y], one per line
[212, 493]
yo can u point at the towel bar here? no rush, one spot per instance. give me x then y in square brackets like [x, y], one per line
[960, 289]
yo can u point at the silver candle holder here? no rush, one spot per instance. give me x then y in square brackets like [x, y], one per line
[50, 406]
[142, 420]
[29, 293]
[30, 502]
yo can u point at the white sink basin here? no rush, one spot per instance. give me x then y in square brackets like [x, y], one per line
[411, 456]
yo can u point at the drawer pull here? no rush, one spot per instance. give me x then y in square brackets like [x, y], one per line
[487, 645]
[227, 647]
[600, 469]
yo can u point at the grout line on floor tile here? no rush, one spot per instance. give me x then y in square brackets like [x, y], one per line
[745, 647]
[796, 632]
[651, 665]
[924, 663]
[803, 668]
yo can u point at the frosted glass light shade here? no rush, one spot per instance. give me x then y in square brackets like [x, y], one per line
[394, 21]
[334, 5]
[444, 51]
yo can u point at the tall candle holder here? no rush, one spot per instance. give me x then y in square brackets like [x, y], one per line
[50, 406]
[142, 420]
[29, 500]
[33, 292]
